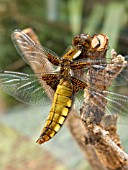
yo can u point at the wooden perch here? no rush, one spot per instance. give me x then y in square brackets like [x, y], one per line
[96, 136]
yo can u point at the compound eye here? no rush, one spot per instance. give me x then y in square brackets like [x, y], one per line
[76, 41]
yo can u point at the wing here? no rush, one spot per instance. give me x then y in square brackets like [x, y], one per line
[25, 88]
[81, 67]
[121, 78]
[36, 56]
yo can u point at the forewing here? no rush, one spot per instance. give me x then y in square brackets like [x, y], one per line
[31, 52]
[99, 65]
[24, 87]
[121, 78]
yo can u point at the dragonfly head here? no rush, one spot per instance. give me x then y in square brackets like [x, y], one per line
[90, 44]
[82, 41]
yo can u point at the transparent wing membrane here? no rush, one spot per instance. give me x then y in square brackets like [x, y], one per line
[32, 53]
[24, 87]
[120, 80]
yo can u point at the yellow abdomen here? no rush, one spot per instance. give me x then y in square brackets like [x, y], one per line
[61, 105]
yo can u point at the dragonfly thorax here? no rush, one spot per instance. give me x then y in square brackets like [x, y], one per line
[65, 68]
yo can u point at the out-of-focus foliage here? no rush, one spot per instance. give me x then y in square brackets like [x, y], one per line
[55, 23]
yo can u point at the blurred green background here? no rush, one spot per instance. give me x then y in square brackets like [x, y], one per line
[55, 22]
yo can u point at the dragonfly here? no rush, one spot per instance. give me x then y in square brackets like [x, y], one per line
[66, 76]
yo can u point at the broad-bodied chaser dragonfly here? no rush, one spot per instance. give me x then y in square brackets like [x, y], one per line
[87, 52]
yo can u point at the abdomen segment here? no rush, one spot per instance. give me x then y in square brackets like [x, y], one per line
[61, 105]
